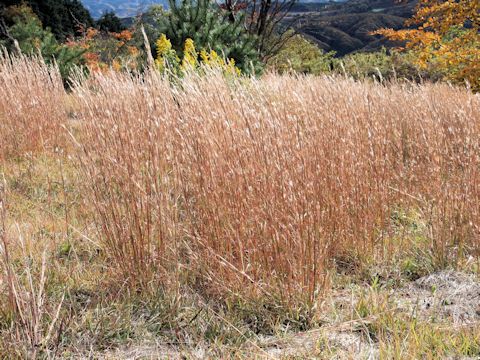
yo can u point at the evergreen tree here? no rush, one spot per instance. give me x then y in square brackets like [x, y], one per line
[62, 16]
[33, 39]
[210, 28]
[110, 22]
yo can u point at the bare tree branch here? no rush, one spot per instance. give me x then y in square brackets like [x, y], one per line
[4, 31]
[267, 20]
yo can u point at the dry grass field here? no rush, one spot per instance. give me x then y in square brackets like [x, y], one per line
[284, 216]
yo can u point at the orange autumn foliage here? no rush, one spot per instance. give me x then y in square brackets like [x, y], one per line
[105, 51]
[125, 35]
[446, 38]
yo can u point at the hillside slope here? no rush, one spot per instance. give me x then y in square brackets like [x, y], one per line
[345, 27]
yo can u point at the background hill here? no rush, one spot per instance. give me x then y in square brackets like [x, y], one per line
[127, 8]
[345, 27]
[123, 8]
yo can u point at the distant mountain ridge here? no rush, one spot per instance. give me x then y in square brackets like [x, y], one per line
[123, 8]
[129, 8]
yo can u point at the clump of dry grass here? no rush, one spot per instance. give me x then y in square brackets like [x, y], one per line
[127, 156]
[258, 185]
[31, 106]
[217, 189]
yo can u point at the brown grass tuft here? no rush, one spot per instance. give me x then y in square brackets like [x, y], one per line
[31, 106]
[258, 185]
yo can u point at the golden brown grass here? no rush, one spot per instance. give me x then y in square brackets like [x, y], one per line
[31, 106]
[230, 188]
[258, 185]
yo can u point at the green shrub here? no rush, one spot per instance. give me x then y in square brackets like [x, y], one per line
[32, 39]
[300, 55]
[380, 65]
[303, 56]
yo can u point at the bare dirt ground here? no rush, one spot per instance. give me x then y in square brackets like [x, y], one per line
[448, 297]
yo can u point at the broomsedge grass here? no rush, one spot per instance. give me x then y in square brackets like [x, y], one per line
[259, 185]
[31, 109]
[248, 193]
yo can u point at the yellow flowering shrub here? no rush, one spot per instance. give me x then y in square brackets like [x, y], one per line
[190, 55]
[192, 59]
[163, 45]
[166, 56]
[213, 60]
